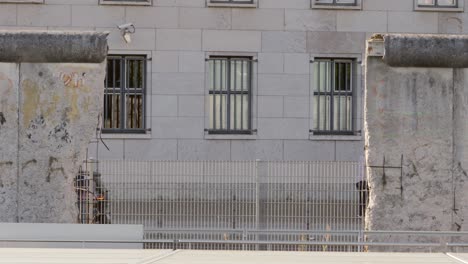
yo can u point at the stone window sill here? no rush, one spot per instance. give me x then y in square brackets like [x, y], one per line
[146, 3]
[125, 136]
[438, 9]
[231, 137]
[357, 6]
[334, 138]
[209, 4]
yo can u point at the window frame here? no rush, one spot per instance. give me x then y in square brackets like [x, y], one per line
[145, 95]
[356, 6]
[357, 113]
[244, 134]
[459, 7]
[231, 3]
[126, 2]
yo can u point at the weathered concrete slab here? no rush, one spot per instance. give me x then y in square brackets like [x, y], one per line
[420, 113]
[59, 106]
[48, 114]
[8, 140]
[53, 46]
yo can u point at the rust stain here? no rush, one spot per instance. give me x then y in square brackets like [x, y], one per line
[31, 95]
[6, 89]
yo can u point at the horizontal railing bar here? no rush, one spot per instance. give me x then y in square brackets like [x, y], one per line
[252, 242]
[267, 232]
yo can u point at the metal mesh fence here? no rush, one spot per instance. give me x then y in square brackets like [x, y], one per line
[280, 202]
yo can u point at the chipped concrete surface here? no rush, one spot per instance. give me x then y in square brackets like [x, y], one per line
[420, 113]
[48, 114]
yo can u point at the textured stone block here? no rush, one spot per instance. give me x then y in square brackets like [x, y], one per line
[152, 149]
[270, 106]
[257, 19]
[363, 21]
[310, 20]
[234, 40]
[280, 41]
[265, 150]
[336, 42]
[97, 16]
[296, 106]
[179, 83]
[152, 17]
[44, 15]
[204, 150]
[283, 84]
[178, 39]
[164, 105]
[296, 63]
[283, 128]
[178, 127]
[413, 22]
[205, 18]
[309, 150]
[191, 105]
[166, 61]
[270, 63]
[192, 62]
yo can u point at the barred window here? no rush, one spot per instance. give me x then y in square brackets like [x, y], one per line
[124, 94]
[333, 96]
[230, 102]
[437, 3]
[336, 2]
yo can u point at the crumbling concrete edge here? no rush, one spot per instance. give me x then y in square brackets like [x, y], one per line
[53, 46]
[420, 50]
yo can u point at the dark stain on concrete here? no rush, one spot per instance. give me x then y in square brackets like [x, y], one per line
[60, 133]
[6, 163]
[2, 118]
[33, 161]
[53, 160]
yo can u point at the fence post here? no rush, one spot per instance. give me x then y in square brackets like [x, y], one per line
[261, 197]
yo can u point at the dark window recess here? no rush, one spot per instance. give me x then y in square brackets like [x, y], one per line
[334, 96]
[124, 94]
[230, 88]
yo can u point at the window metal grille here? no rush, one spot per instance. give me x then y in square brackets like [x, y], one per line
[333, 87]
[124, 94]
[437, 3]
[336, 2]
[230, 88]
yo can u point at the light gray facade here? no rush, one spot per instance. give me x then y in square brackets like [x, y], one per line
[282, 36]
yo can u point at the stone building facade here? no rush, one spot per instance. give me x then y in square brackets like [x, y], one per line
[285, 50]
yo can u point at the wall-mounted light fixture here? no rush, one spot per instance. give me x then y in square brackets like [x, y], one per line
[127, 30]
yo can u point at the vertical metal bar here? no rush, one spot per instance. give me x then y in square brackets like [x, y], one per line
[340, 72]
[249, 91]
[214, 94]
[228, 95]
[318, 66]
[332, 94]
[221, 114]
[242, 96]
[234, 77]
